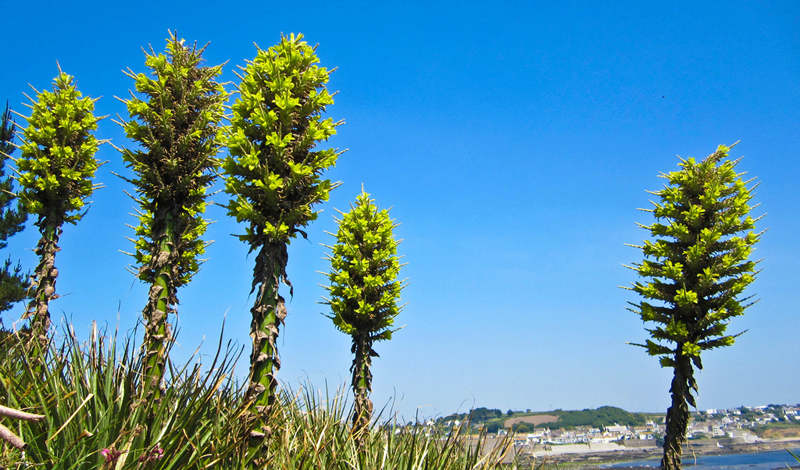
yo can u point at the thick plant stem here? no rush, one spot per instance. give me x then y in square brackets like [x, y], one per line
[678, 414]
[268, 314]
[362, 386]
[160, 303]
[8, 435]
[45, 280]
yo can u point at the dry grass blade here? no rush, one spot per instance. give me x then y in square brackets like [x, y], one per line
[86, 400]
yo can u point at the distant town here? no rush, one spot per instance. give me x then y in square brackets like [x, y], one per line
[613, 425]
[611, 434]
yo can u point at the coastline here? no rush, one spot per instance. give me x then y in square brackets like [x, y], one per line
[585, 459]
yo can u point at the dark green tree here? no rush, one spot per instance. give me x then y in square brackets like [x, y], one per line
[177, 126]
[493, 427]
[13, 283]
[275, 178]
[55, 176]
[523, 427]
[696, 269]
[364, 290]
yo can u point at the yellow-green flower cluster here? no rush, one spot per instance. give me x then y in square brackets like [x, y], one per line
[364, 268]
[177, 123]
[697, 263]
[57, 163]
[273, 174]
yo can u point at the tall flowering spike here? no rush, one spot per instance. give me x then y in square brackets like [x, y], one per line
[177, 124]
[274, 174]
[55, 176]
[696, 268]
[364, 291]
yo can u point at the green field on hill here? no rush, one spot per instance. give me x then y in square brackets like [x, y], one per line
[494, 419]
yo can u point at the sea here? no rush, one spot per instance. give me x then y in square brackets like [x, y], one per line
[771, 460]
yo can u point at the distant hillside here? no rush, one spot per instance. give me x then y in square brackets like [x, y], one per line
[601, 417]
[777, 431]
[476, 416]
[536, 420]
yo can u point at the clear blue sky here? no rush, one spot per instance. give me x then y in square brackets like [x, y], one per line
[515, 141]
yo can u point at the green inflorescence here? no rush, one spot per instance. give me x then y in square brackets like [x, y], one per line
[364, 288]
[178, 128]
[272, 172]
[57, 163]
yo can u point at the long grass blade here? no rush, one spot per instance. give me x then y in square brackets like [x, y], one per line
[70, 418]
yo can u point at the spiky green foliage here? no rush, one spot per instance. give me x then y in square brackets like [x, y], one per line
[13, 283]
[87, 393]
[795, 456]
[311, 432]
[697, 267]
[275, 178]
[55, 175]
[7, 128]
[12, 219]
[177, 126]
[364, 291]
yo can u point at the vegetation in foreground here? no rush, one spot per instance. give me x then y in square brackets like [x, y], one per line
[94, 417]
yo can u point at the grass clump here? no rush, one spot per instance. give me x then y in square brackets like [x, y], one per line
[95, 417]
[94, 414]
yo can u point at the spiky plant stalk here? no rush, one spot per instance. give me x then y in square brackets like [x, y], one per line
[177, 126]
[275, 177]
[55, 176]
[697, 267]
[363, 294]
[13, 284]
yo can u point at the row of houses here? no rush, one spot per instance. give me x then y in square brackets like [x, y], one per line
[724, 424]
[788, 410]
[732, 423]
[589, 435]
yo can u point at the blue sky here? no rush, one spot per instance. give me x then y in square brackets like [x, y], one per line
[514, 140]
